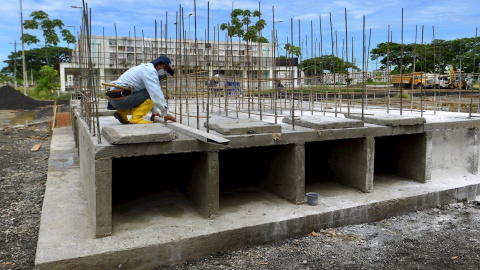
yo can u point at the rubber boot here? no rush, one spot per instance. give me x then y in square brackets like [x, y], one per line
[121, 116]
[140, 111]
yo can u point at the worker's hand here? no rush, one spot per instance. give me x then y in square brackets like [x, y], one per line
[169, 117]
[153, 116]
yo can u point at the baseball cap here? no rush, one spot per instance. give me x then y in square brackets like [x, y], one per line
[163, 59]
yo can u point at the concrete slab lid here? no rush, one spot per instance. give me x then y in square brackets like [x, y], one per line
[228, 126]
[324, 122]
[138, 133]
[385, 119]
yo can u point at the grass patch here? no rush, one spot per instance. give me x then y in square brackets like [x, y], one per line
[44, 96]
[404, 95]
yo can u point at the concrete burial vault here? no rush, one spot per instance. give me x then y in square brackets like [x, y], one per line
[188, 192]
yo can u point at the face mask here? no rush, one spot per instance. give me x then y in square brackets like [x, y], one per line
[162, 75]
[161, 72]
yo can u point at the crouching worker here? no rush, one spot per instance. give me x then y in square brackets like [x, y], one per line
[144, 94]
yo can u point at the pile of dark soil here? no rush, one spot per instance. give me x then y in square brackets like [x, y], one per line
[11, 99]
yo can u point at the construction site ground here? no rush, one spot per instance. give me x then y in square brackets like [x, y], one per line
[445, 237]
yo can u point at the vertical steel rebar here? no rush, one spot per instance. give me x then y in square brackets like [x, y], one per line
[413, 73]
[196, 63]
[363, 68]
[274, 64]
[300, 96]
[346, 54]
[388, 67]
[473, 74]
[293, 79]
[176, 59]
[434, 91]
[421, 64]
[321, 67]
[367, 54]
[259, 72]
[314, 67]
[166, 53]
[401, 73]
[208, 66]
[332, 67]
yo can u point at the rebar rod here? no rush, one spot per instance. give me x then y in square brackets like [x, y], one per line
[196, 63]
[346, 54]
[401, 73]
[473, 74]
[208, 65]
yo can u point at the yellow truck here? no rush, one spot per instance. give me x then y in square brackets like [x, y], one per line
[406, 80]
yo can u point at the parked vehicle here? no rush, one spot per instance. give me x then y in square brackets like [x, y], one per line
[457, 79]
[443, 81]
[429, 83]
[406, 80]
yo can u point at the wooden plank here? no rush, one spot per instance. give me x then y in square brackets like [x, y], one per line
[38, 138]
[36, 147]
[197, 134]
[117, 86]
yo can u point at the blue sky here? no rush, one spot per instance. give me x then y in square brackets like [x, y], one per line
[451, 19]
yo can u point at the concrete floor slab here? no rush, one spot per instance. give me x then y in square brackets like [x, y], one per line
[324, 122]
[164, 227]
[229, 126]
[140, 133]
[385, 119]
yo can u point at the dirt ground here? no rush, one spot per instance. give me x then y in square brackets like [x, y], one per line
[446, 237]
[23, 175]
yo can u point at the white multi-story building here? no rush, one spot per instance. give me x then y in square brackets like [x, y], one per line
[111, 56]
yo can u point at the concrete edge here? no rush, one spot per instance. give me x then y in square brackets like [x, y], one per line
[200, 246]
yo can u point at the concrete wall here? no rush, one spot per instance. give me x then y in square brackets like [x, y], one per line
[96, 175]
[278, 169]
[347, 161]
[407, 156]
[455, 148]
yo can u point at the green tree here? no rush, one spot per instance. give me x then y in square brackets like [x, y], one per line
[289, 48]
[41, 21]
[242, 27]
[436, 57]
[6, 78]
[49, 80]
[35, 60]
[326, 63]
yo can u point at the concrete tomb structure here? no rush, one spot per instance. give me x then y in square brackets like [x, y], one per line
[149, 195]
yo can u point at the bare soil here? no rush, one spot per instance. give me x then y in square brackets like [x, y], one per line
[446, 237]
[23, 175]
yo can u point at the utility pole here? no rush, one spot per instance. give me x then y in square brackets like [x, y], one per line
[23, 54]
[14, 63]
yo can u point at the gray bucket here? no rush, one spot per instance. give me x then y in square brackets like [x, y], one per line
[312, 198]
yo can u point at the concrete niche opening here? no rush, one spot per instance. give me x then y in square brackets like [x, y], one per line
[402, 157]
[333, 164]
[156, 186]
[259, 174]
